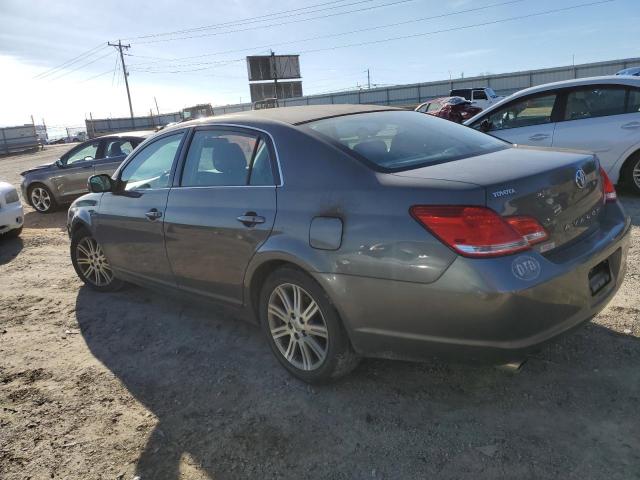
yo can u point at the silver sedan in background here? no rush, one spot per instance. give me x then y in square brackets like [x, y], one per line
[349, 231]
[47, 186]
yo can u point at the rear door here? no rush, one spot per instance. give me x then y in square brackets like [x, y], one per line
[525, 121]
[221, 210]
[129, 223]
[114, 151]
[600, 119]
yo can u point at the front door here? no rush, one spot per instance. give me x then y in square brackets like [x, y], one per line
[527, 121]
[77, 167]
[130, 220]
[220, 211]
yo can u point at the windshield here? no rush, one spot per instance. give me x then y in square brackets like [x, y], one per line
[402, 140]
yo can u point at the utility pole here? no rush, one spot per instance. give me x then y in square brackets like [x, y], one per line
[157, 109]
[120, 46]
[368, 80]
[275, 74]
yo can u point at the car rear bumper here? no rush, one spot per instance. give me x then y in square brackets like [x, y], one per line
[482, 309]
[11, 217]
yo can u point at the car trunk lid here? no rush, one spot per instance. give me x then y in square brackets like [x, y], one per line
[562, 190]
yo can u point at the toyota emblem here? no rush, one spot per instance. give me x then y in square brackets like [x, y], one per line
[581, 179]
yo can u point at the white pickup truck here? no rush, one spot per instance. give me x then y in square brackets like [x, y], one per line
[479, 97]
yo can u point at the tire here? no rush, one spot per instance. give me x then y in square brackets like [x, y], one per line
[15, 233]
[632, 173]
[41, 199]
[312, 344]
[91, 265]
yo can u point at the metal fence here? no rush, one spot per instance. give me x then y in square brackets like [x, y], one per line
[15, 139]
[414, 94]
[98, 127]
[398, 95]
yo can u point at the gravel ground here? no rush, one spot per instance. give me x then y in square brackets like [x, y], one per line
[110, 386]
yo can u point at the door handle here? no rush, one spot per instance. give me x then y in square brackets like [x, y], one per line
[631, 125]
[250, 219]
[539, 136]
[153, 214]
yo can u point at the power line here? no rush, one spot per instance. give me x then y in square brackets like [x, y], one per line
[76, 59]
[67, 72]
[96, 76]
[433, 32]
[332, 35]
[397, 2]
[260, 18]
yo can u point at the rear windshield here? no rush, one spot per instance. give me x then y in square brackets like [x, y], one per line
[402, 140]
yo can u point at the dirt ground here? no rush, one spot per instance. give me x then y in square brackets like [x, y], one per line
[114, 386]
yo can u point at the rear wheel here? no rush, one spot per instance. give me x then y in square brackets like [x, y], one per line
[41, 198]
[91, 264]
[303, 327]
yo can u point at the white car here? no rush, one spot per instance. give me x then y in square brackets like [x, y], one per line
[11, 212]
[598, 114]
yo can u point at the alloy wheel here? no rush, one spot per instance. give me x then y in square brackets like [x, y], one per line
[297, 326]
[92, 262]
[40, 199]
[635, 174]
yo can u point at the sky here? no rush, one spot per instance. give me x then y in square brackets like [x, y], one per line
[337, 42]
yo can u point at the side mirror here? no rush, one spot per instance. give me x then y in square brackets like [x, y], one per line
[59, 163]
[100, 183]
[485, 125]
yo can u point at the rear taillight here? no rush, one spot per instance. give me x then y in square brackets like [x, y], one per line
[479, 231]
[610, 194]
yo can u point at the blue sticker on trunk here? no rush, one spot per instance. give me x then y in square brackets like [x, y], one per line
[525, 267]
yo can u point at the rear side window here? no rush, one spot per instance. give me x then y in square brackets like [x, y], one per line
[400, 140]
[118, 148]
[225, 158]
[434, 107]
[633, 102]
[594, 102]
[524, 113]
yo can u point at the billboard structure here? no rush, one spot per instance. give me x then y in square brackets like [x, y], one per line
[269, 70]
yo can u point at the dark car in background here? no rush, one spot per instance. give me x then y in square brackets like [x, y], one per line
[355, 230]
[456, 109]
[47, 186]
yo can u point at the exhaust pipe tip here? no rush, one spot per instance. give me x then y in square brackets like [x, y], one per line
[512, 367]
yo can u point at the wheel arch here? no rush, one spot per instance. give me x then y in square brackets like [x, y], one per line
[623, 178]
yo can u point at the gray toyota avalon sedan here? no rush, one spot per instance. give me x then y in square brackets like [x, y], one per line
[350, 231]
[48, 186]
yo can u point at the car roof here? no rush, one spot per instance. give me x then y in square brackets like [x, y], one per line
[577, 82]
[138, 133]
[290, 115]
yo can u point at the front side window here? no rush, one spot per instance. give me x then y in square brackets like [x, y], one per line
[434, 107]
[219, 158]
[86, 152]
[151, 167]
[400, 140]
[523, 113]
[595, 102]
[118, 148]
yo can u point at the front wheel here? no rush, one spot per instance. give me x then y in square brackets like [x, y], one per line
[41, 198]
[91, 265]
[303, 327]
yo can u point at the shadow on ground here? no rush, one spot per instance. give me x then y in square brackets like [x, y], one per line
[221, 398]
[35, 220]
